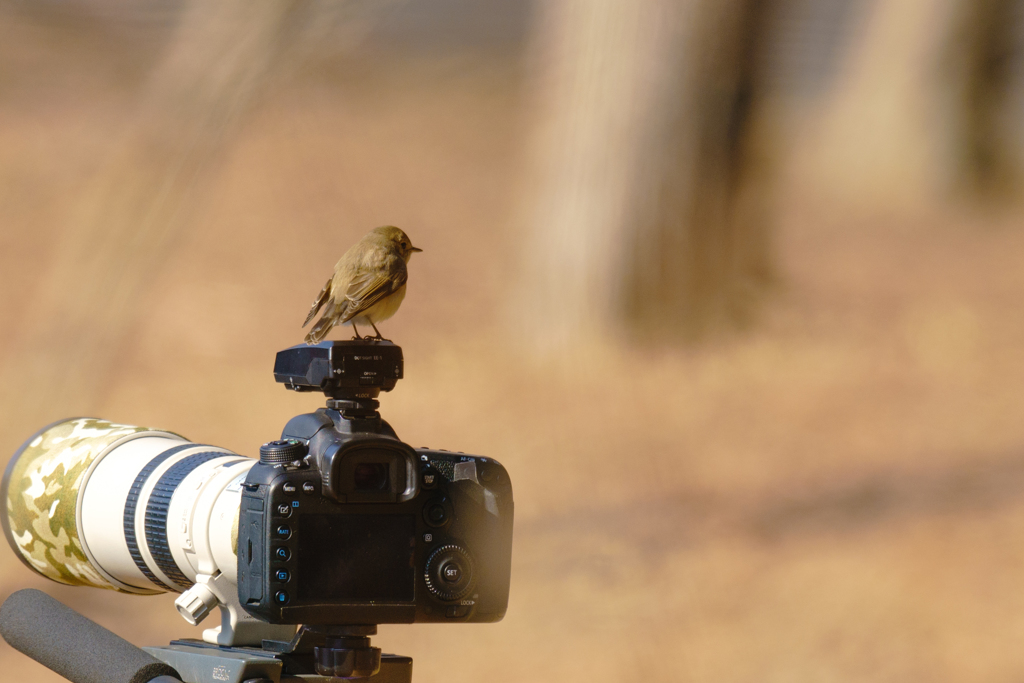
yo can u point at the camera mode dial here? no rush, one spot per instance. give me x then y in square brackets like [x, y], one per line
[449, 572]
[282, 452]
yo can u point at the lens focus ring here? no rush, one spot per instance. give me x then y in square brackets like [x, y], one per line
[156, 514]
[131, 505]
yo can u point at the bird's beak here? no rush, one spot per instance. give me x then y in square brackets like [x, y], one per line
[415, 249]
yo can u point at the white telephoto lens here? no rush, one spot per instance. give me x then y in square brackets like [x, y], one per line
[93, 503]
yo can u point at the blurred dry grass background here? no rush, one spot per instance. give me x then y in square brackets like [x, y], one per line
[833, 490]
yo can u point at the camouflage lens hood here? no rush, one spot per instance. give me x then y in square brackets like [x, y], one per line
[39, 497]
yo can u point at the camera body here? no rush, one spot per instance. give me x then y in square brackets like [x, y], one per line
[339, 526]
[342, 523]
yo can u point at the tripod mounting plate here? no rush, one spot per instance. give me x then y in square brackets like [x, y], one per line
[200, 662]
[354, 369]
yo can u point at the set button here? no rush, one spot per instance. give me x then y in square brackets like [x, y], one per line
[449, 573]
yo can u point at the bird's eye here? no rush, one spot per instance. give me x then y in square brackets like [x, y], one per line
[405, 245]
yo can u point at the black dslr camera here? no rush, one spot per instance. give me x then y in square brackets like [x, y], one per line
[343, 523]
[339, 526]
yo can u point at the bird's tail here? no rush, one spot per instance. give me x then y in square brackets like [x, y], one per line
[321, 299]
[323, 326]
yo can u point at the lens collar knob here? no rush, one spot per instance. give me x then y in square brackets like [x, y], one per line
[196, 603]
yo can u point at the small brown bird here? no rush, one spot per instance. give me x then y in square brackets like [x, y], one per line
[368, 284]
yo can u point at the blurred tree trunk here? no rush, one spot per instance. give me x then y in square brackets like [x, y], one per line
[984, 49]
[924, 104]
[67, 349]
[648, 212]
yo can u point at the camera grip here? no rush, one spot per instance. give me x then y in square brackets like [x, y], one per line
[75, 647]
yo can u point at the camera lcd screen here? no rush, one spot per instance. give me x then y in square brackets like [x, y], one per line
[356, 558]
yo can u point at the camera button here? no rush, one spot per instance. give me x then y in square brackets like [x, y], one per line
[457, 611]
[429, 479]
[436, 514]
[281, 598]
[288, 487]
[451, 572]
[284, 510]
[282, 553]
[437, 511]
[309, 487]
[282, 575]
[283, 531]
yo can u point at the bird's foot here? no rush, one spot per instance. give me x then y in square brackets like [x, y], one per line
[378, 337]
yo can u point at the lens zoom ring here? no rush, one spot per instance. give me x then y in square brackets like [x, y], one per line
[156, 515]
[131, 505]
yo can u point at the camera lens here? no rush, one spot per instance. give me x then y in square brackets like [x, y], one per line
[123, 490]
[370, 476]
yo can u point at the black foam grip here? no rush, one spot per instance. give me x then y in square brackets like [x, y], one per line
[75, 647]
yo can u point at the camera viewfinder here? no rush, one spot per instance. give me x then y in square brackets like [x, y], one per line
[370, 471]
[370, 476]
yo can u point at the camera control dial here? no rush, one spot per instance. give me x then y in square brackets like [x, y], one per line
[282, 451]
[449, 572]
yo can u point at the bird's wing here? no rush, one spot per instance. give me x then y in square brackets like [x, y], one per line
[324, 324]
[321, 299]
[370, 286]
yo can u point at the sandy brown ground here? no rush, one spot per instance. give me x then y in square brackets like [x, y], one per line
[835, 496]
